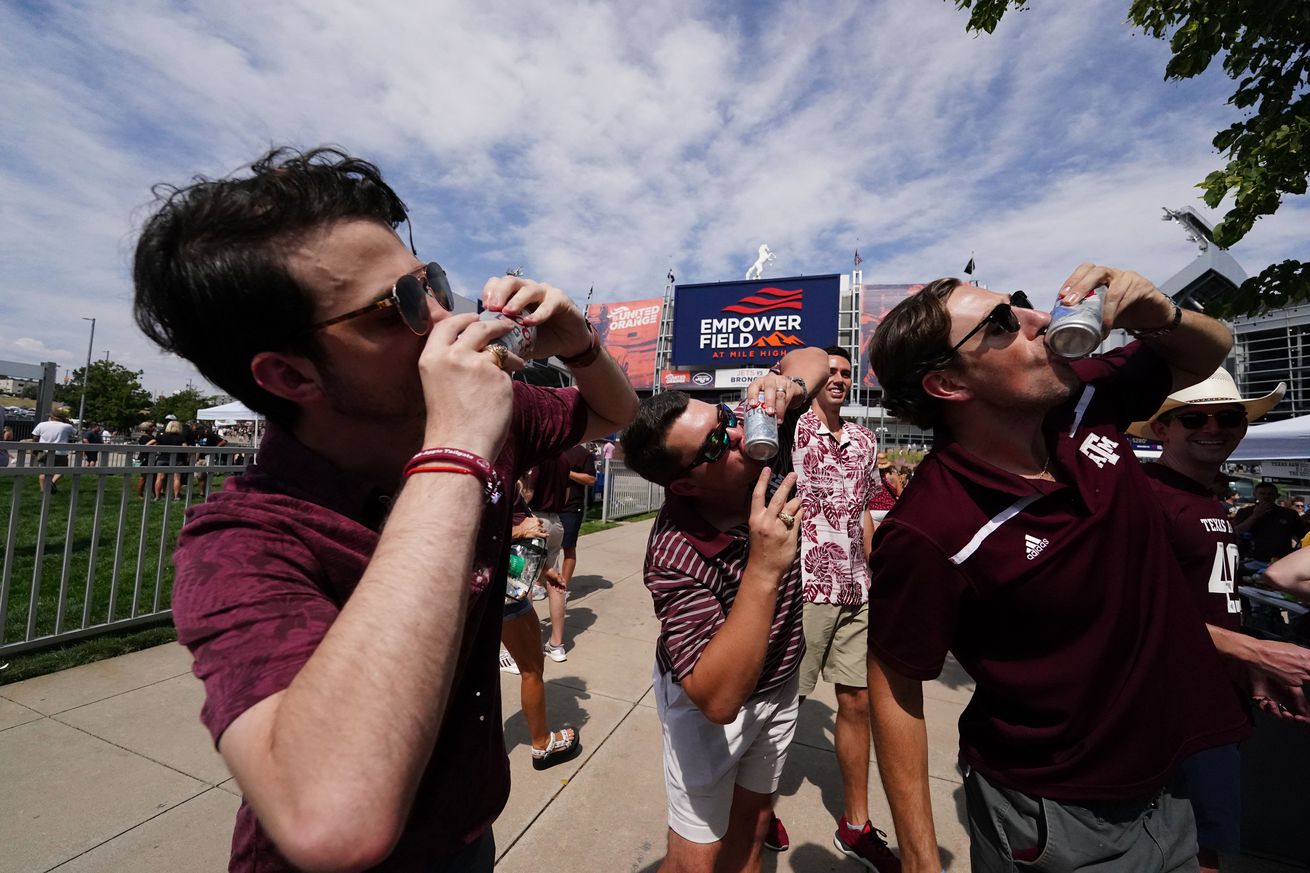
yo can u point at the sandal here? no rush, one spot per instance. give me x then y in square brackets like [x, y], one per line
[563, 746]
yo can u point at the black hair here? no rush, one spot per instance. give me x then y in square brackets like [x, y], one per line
[644, 450]
[210, 273]
[838, 352]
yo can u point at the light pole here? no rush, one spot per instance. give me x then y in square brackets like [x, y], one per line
[86, 377]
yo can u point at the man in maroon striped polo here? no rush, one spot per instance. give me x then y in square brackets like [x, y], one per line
[722, 569]
[1028, 546]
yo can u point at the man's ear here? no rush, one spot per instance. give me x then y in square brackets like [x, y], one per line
[1159, 429]
[291, 377]
[944, 385]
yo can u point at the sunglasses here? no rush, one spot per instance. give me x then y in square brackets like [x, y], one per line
[408, 296]
[1225, 418]
[1002, 315]
[716, 441]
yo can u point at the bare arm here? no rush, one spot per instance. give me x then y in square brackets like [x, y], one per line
[331, 764]
[1274, 671]
[562, 330]
[869, 527]
[900, 739]
[1193, 350]
[582, 478]
[1291, 573]
[728, 670]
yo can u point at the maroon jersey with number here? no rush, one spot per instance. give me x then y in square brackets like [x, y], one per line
[1094, 674]
[1203, 542]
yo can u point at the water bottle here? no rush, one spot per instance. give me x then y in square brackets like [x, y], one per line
[526, 559]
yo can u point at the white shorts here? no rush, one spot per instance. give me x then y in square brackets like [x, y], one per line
[703, 761]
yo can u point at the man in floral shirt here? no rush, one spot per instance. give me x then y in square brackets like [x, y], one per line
[836, 464]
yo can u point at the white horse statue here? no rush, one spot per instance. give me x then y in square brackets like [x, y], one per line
[757, 269]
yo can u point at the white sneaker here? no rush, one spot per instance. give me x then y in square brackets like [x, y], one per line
[555, 653]
[507, 664]
[538, 592]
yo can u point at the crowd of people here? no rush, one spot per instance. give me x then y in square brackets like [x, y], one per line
[1090, 598]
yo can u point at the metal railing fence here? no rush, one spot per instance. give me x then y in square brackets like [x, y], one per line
[91, 552]
[627, 494]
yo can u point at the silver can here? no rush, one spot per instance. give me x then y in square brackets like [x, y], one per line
[1075, 331]
[760, 433]
[518, 341]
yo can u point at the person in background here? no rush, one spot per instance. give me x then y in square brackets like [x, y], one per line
[172, 436]
[837, 478]
[92, 436]
[1268, 530]
[143, 459]
[559, 495]
[1198, 428]
[55, 431]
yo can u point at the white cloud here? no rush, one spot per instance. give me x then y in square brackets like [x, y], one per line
[596, 143]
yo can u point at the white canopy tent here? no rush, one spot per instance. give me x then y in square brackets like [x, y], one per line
[1278, 440]
[234, 411]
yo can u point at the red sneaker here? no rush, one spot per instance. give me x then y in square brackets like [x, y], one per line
[868, 846]
[775, 837]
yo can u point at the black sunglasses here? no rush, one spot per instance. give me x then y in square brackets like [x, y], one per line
[716, 441]
[1002, 315]
[1225, 418]
[408, 296]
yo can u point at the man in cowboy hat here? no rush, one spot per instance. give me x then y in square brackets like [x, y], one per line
[1199, 427]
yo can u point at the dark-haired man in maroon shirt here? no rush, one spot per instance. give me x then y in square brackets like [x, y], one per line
[723, 573]
[342, 599]
[1028, 546]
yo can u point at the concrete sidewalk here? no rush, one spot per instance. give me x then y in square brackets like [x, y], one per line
[106, 767]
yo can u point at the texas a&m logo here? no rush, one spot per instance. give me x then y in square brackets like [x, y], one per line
[1101, 449]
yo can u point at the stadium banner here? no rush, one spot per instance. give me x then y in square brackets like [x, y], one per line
[875, 302]
[629, 330]
[752, 324]
[688, 380]
[737, 378]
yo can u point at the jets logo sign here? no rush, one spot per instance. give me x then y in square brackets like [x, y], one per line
[744, 324]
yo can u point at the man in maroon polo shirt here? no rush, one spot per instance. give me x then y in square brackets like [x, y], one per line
[1198, 428]
[342, 599]
[1029, 547]
[722, 571]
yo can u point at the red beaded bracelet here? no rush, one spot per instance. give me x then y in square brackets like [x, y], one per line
[466, 462]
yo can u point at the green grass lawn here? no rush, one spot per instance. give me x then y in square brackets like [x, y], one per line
[116, 568]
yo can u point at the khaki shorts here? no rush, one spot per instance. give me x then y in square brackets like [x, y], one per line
[836, 643]
[703, 761]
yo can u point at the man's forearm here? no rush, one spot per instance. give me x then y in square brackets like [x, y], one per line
[729, 668]
[347, 742]
[1291, 573]
[605, 389]
[808, 364]
[1195, 349]
[900, 739]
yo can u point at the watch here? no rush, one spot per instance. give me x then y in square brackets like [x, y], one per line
[1168, 327]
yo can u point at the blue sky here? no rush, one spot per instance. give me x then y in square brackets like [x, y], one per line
[602, 144]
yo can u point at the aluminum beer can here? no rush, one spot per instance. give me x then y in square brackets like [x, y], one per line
[518, 341]
[1075, 331]
[760, 439]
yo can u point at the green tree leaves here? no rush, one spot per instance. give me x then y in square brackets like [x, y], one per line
[1266, 50]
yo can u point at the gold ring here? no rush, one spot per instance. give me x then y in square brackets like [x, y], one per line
[788, 519]
[499, 354]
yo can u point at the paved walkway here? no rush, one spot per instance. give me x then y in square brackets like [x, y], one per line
[105, 768]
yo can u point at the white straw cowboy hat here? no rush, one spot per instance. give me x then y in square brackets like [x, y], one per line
[1219, 388]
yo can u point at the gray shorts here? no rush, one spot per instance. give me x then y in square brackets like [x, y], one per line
[1013, 831]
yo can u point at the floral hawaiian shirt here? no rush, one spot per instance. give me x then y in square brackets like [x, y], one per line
[837, 480]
